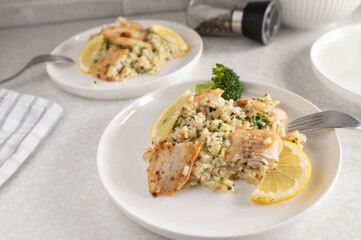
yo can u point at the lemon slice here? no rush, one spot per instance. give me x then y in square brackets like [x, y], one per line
[287, 179]
[166, 120]
[89, 53]
[169, 36]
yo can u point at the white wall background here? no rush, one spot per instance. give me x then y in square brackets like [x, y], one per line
[30, 12]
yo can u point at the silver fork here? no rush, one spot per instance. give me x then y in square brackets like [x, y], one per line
[320, 120]
[40, 59]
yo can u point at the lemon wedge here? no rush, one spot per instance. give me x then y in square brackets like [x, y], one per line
[169, 36]
[166, 120]
[89, 53]
[287, 179]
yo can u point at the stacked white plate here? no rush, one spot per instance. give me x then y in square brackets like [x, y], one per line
[336, 59]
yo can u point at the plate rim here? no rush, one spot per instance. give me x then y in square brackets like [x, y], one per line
[179, 235]
[64, 84]
[318, 45]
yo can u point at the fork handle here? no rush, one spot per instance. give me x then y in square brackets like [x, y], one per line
[32, 62]
[37, 60]
[14, 75]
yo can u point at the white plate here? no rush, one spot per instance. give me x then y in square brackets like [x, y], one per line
[336, 59]
[199, 213]
[70, 79]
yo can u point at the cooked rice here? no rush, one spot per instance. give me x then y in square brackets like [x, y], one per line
[213, 127]
[142, 59]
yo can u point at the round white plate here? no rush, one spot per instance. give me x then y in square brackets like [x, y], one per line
[71, 79]
[199, 213]
[336, 59]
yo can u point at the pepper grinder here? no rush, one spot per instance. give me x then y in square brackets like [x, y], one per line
[258, 20]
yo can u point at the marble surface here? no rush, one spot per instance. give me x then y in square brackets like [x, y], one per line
[57, 193]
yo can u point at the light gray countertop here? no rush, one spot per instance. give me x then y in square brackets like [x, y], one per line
[57, 194]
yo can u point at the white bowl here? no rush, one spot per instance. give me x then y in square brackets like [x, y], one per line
[336, 60]
[315, 14]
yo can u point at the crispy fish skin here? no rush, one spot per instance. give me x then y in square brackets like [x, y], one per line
[256, 147]
[211, 98]
[170, 166]
[109, 65]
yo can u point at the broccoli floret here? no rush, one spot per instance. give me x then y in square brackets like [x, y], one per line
[225, 79]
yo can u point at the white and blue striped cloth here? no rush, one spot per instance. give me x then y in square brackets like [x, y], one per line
[25, 121]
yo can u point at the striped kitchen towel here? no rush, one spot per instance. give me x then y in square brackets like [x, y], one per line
[25, 121]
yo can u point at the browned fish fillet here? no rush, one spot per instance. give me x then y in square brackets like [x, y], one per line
[124, 22]
[252, 103]
[211, 98]
[126, 37]
[109, 65]
[256, 147]
[170, 166]
[113, 32]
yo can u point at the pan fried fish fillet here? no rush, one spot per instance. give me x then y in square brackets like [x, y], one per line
[170, 166]
[126, 37]
[256, 147]
[124, 22]
[211, 98]
[130, 32]
[109, 65]
[252, 103]
[263, 107]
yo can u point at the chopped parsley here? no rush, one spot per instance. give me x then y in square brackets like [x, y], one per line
[212, 109]
[222, 178]
[165, 119]
[219, 125]
[258, 99]
[259, 120]
[229, 188]
[107, 44]
[221, 150]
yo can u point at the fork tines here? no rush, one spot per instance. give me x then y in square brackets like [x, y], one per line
[307, 122]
